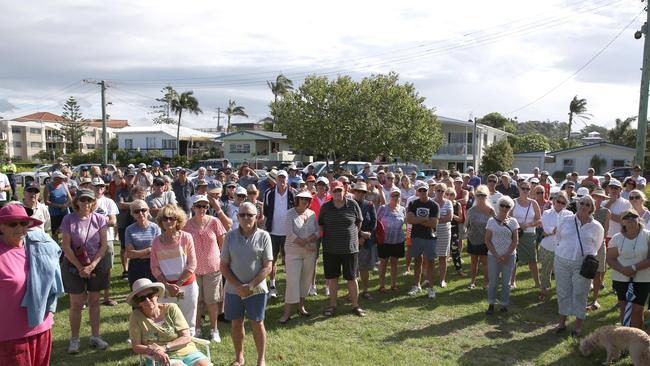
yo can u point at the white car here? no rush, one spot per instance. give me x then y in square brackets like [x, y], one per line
[554, 186]
[319, 167]
[41, 174]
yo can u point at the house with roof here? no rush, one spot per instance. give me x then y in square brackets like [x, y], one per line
[26, 136]
[259, 147]
[577, 158]
[162, 137]
[459, 143]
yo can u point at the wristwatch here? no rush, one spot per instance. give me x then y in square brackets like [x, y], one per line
[634, 267]
[166, 348]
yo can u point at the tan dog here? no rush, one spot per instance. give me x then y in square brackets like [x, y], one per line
[617, 339]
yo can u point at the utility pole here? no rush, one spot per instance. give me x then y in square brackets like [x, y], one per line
[643, 100]
[218, 118]
[102, 84]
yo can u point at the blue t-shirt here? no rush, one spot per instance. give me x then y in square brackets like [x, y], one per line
[57, 195]
[139, 237]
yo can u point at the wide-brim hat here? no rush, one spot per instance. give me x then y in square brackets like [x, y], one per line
[141, 285]
[600, 193]
[361, 187]
[16, 212]
[304, 194]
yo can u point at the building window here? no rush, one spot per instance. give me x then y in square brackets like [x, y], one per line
[275, 147]
[90, 146]
[494, 138]
[151, 142]
[168, 144]
[35, 131]
[91, 133]
[240, 148]
[16, 129]
[485, 139]
[469, 137]
[569, 165]
[618, 163]
[17, 144]
[128, 144]
[36, 145]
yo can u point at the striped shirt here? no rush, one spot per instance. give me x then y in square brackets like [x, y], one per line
[340, 233]
[171, 259]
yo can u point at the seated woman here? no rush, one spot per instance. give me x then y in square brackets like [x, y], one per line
[160, 330]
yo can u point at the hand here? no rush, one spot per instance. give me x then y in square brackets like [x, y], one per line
[160, 354]
[365, 234]
[244, 290]
[629, 271]
[172, 289]
[86, 271]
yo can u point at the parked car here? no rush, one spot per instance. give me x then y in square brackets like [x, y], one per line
[428, 173]
[41, 174]
[77, 169]
[406, 168]
[621, 173]
[320, 166]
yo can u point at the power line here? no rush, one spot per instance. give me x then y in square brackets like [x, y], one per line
[589, 61]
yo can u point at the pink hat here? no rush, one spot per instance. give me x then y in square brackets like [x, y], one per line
[336, 185]
[16, 212]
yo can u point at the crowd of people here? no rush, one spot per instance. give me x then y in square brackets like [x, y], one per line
[192, 249]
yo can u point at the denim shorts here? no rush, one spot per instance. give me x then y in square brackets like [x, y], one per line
[188, 360]
[424, 247]
[253, 307]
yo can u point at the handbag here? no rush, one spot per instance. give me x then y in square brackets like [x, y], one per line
[590, 263]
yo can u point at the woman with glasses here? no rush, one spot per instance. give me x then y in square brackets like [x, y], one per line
[628, 257]
[637, 198]
[84, 271]
[528, 215]
[501, 238]
[577, 236]
[160, 330]
[137, 238]
[208, 234]
[392, 216]
[550, 220]
[300, 250]
[173, 262]
[477, 218]
[443, 231]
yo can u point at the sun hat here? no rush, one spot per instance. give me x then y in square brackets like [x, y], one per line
[85, 180]
[58, 174]
[141, 285]
[600, 193]
[582, 191]
[336, 185]
[282, 173]
[98, 182]
[199, 198]
[361, 186]
[323, 180]
[217, 189]
[240, 190]
[629, 211]
[201, 182]
[273, 174]
[16, 212]
[304, 194]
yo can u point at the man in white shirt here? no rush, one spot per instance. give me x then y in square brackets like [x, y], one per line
[107, 207]
[616, 205]
[5, 187]
[637, 177]
[31, 198]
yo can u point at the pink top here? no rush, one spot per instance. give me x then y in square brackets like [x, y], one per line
[170, 260]
[14, 267]
[208, 253]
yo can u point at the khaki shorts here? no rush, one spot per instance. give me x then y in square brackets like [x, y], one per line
[210, 288]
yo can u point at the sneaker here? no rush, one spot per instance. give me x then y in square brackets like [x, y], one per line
[216, 338]
[125, 275]
[406, 273]
[431, 293]
[443, 284]
[73, 347]
[312, 291]
[327, 291]
[273, 293]
[98, 342]
[198, 333]
[425, 283]
[415, 290]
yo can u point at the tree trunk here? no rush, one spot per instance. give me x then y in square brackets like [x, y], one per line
[178, 133]
[228, 128]
[568, 135]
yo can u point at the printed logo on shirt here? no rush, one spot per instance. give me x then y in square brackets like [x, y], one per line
[422, 212]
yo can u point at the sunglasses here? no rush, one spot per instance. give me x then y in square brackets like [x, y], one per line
[635, 198]
[241, 195]
[159, 184]
[86, 199]
[440, 191]
[539, 193]
[505, 206]
[561, 203]
[150, 296]
[481, 195]
[586, 204]
[492, 181]
[16, 223]
[32, 190]
[246, 215]
[422, 190]
[142, 210]
[169, 218]
[630, 217]
[203, 207]
[525, 189]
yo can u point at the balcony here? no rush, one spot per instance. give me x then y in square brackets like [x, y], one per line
[456, 148]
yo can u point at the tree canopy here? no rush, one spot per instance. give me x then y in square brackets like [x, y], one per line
[497, 157]
[72, 127]
[184, 102]
[163, 110]
[344, 119]
[531, 142]
[577, 108]
[497, 120]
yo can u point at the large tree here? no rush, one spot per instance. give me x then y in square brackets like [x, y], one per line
[184, 102]
[497, 157]
[280, 87]
[343, 119]
[163, 111]
[73, 127]
[531, 142]
[577, 109]
[622, 133]
[234, 110]
[497, 120]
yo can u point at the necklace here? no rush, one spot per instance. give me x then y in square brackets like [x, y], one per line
[633, 245]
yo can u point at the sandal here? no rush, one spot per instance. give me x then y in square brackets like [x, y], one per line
[358, 311]
[366, 295]
[303, 313]
[109, 302]
[236, 363]
[330, 311]
[472, 286]
[394, 288]
[284, 321]
[383, 290]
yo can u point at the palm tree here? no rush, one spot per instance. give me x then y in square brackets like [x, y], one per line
[618, 134]
[280, 87]
[184, 101]
[234, 110]
[578, 108]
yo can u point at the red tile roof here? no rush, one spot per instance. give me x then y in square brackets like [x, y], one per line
[111, 123]
[40, 117]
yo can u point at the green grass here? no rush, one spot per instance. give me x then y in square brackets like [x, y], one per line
[401, 330]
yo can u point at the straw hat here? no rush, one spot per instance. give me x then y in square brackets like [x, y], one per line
[141, 285]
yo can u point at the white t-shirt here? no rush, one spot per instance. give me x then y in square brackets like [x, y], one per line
[108, 207]
[494, 200]
[620, 205]
[502, 235]
[631, 252]
[278, 226]
[4, 183]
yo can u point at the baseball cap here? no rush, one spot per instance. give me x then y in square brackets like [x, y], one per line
[142, 165]
[311, 178]
[240, 190]
[158, 182]
[336, 185]
[615, 183]
[323, 180]
[98, 182]
[421, 185]
[282, 173]
[582, 191]
[33, 186]
[199, 198]
[58, 174]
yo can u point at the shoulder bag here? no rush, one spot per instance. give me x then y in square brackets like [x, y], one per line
[590, 264]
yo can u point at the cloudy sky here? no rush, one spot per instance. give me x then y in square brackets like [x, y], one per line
[466, 57]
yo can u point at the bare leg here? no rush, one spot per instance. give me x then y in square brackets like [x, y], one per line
[288, 308]
[474, 268]
[418, 270]
[382, 272]
[442, 268]
[513, 277]
[365, 276]
[393, 272]
[333, 284]
[259, 335]
[407, 260]
[534, 272]
[353, 289]
[237, 333]
[213, 313]
[198, 323]
[93, 312]
[430, 264]
[76, 306]
[598, 280]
